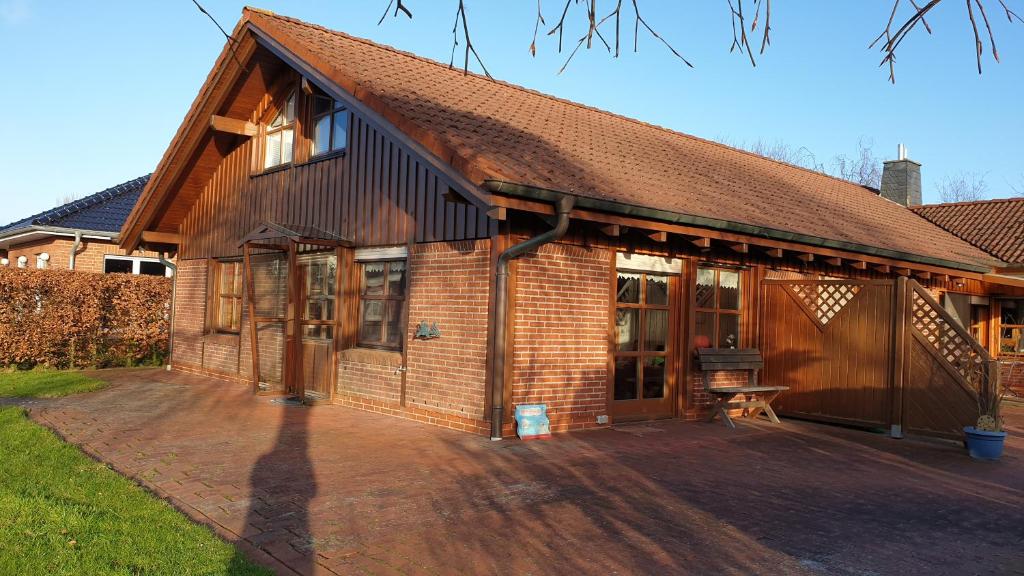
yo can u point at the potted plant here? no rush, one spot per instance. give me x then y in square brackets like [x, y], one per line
[985, 439]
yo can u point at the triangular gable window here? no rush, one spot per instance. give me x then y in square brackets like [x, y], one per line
[280, 136]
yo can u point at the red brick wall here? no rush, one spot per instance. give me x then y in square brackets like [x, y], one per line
[89, 259]
[448, 284]
[370, 375]
[700, 400]
[1012, 375]
[189, 313]
[561, 333]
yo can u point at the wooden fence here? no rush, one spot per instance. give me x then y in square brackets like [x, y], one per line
[871, 353]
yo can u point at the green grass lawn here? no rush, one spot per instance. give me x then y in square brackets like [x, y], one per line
[63, 513]
[46, 383]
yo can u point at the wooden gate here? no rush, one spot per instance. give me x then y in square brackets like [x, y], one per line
[871, 353]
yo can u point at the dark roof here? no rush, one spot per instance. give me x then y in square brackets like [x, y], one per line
[495, 131]
[103, 211]
[995, 226]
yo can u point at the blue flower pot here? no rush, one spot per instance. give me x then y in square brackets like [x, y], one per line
[984, 445]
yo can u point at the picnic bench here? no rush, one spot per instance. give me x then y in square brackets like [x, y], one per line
[757, 399]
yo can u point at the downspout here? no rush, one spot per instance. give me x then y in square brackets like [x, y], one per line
[562, 208]
[170, 319]
[74, 250]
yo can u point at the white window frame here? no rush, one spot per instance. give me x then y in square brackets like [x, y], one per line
[136, 263]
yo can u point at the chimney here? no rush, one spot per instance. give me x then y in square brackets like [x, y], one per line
[901, 180]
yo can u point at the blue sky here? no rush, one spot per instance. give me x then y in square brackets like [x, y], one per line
[95, 90]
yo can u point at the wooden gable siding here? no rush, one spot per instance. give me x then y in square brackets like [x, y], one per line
[378, 193]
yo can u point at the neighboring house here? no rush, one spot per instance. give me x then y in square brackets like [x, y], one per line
[997, 227]
[349, 221]
[80, 235]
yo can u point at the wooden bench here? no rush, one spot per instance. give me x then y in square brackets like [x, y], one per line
[757, 398]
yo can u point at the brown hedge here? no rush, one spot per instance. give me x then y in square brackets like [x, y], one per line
[69, 319]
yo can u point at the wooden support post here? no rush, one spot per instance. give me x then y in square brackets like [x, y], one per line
[294, 341]
[233, 126]
[253, 328]
[307, 87]
[899, 348]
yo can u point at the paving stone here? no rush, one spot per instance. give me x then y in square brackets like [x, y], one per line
[331, 488]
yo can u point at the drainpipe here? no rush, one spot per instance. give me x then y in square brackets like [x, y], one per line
[74, 250]
[562, 208]
[170, 321]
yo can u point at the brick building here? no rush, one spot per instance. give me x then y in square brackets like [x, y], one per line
[363, 226]
[80, 235]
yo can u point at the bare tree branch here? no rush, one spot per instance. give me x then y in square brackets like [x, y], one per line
[399, 7]
[460, 15]
[536, 27]
[962, 187]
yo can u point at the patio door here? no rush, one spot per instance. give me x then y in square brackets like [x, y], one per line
[267, 287]
[319, 280]
[643, 381]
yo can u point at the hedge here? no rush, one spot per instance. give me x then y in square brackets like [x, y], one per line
[65, 319]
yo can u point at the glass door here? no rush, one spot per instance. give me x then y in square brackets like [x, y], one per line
[318, 323]
[644, 377]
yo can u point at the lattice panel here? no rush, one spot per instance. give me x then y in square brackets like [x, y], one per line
[955, 347]
[825, 300]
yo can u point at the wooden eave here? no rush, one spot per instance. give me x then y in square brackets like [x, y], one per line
[514, 197]
[194, 152]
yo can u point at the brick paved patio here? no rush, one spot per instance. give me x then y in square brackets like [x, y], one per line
[334, 490]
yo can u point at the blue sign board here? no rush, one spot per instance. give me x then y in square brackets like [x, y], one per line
[532, 421]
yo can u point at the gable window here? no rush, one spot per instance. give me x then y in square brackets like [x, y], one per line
[280, 136]
[330, 125]
[381, 295]
[227, 296]
[718, 309]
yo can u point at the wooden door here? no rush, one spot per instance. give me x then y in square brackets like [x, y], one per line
[644, 318]
[318, 322]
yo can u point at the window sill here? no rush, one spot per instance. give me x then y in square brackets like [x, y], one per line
[223, 338]
[389, 358]
[271, 170]
[323, 157]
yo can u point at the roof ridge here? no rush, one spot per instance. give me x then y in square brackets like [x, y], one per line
[47, 216]
[969, 203]
[550, 96]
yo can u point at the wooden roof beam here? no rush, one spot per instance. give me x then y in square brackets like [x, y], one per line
[151, 237]
[774, 252]
[233, 126]
[859, 265]
[923, 275]
[883, 268]
[740, 247]
[658, 236]
[612, 230]
[834, 261]
[902, 271]
[701, 242]
[805, 257]
[498, 213]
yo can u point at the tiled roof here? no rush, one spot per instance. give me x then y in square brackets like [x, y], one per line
[494, 130]
[103, 211]
[995, 226]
